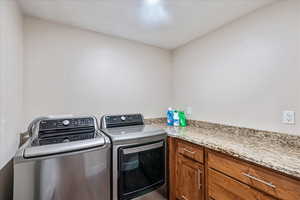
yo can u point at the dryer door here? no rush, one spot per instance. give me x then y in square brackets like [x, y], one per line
[141, 169]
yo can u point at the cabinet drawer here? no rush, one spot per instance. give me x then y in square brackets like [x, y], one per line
[192, 151]
[222, 187]
[265, 180]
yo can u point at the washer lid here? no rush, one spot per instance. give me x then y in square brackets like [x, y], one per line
[52, 149]
[133, 132]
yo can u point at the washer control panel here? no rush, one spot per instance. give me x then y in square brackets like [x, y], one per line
[66, 123]
[53, 131]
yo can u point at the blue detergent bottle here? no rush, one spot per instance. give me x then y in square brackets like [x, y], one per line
[170, 119]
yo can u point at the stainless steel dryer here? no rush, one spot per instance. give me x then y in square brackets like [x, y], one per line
[138, 157]
[64, 159]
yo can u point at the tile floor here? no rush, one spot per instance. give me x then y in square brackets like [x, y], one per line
[151, 196]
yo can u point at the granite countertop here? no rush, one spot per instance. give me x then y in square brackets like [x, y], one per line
[277, 151]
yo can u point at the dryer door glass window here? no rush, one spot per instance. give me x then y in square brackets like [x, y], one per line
[141, 169]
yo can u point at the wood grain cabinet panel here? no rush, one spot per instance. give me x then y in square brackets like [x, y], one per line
[270, 182]
[222, 187]
[191, 151]
[189, 179]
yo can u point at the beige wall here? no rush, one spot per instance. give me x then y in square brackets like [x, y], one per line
[245, 73]
[68, 70]
[11, 49]
[11, 73]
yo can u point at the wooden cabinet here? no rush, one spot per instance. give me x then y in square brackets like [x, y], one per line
[198, 173]
[186, 174]
[190, 179]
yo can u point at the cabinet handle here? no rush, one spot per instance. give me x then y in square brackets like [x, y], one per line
[259, 180]
[199, 179]
[191, 152]
[183, 197]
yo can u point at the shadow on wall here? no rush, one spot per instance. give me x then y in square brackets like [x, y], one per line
[6, 181]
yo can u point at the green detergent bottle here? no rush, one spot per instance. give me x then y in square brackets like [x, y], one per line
[182, 119]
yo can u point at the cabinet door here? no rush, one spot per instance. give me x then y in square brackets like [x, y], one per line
[189, 179]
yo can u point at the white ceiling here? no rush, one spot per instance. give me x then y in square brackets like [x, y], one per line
[167, 24]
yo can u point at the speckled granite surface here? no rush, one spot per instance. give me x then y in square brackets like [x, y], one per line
[277, 151]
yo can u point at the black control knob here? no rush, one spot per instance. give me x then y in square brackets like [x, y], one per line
[66, 140]
[123, 118]
[66, 122]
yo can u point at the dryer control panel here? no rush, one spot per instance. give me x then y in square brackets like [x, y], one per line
[111, 121]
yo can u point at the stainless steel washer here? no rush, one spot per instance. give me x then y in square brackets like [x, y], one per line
[138, 157]
[65, 158]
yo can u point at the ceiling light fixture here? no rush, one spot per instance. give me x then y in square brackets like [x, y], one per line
[153, 13]
[152, 2]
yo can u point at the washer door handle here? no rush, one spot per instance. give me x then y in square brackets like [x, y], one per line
[143, 148]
